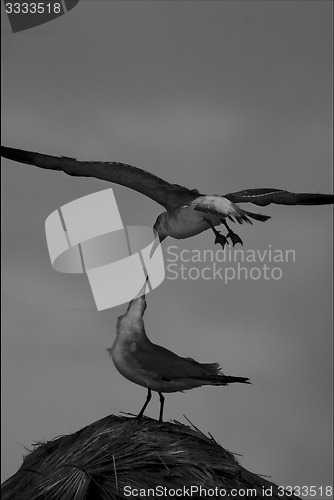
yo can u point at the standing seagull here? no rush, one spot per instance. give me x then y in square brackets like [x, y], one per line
[187, 211]
[155, 367]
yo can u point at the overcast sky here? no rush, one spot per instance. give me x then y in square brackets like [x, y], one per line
[221, 96]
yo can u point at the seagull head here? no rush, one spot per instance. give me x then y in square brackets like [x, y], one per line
[132, 320]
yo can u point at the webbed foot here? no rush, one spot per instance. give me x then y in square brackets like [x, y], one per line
[221, 239]
[234, 238]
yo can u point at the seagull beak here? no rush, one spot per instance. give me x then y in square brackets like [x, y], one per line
[140, 298]
[142, 291]
[157, 240]
[137, 306]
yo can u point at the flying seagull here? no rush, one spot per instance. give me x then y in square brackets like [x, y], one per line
[188, 212]
[155, 367]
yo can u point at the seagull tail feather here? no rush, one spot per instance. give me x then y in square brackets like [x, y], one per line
[226, 380]
[221, 379]
[259, 217]
[231, 380]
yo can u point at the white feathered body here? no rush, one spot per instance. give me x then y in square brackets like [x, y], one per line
[192, 219]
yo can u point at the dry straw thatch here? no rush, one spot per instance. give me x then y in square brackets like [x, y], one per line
[100, 460]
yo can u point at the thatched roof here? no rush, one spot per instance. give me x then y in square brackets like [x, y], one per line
[113, 456]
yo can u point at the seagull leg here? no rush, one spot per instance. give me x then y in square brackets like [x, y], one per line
[220, 238]
[162, 402]
[233, 236]
[148, 398]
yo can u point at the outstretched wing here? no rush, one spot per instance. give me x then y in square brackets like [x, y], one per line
[166, 194]
[265, 196]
